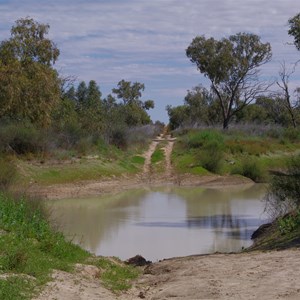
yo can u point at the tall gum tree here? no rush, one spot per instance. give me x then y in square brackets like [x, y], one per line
[231, 64]
[29, 85]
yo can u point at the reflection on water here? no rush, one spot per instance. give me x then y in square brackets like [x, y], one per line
[163, 223]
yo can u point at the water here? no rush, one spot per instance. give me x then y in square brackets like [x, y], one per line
[162, 223]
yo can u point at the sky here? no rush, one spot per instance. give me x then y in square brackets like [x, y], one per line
[145, 41]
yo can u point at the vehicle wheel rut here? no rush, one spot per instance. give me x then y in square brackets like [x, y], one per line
[147, 169]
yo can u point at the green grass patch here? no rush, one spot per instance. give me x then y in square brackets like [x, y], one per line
[157, 156]
[116, 276]
[79, 170]
[138, 160]
[203, 151]
[16, 288]
[28, 245]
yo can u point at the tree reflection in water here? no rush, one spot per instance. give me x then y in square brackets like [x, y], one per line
[161, 223]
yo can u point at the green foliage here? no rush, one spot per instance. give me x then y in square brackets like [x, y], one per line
[116, 276]
[30, 246]
[284, 190]
[211, 156]
[287, 186]
[250, 167]
[248, 146]
[16, 288]
[289, 223]
[294, 29]
[133, 108]
[20, 138]
[291, 134]
[202, 138]
[209, 147]
[229, 63]
[29, 85]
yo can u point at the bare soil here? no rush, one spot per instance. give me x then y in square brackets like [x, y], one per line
[254, 275]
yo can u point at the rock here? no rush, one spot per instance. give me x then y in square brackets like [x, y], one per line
[260, 230]
[138, 261]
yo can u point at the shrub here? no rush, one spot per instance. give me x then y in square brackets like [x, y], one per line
[291, 134]
[202, 138]
[251, 168]
[211, 156]
[21, 138]
[284, 190]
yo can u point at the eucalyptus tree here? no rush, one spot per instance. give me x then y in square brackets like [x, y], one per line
[29, 85]
[290, 103]
[231, 64]
[294, 29]
[134, 108]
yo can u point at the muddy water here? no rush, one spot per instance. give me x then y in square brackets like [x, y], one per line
[163, 223]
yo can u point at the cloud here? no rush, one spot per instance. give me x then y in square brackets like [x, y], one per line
[146, 40]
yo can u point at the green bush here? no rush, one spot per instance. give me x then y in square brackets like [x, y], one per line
[251, 168]
[202, 138]
[283, 195]
[291, 134]
[21, 138]
[211, 156]
[289, 222]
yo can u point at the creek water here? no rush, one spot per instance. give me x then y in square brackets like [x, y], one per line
[163, 223]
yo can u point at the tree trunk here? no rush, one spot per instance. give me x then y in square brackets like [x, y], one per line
[225, 123]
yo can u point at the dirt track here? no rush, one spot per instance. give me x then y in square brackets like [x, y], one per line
[145, 178]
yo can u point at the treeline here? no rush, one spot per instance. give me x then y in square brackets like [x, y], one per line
[42, 111]
[201, 108]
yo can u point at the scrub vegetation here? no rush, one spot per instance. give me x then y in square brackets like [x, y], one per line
[246, 153]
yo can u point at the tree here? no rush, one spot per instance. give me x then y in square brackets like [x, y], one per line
[283, 84]
[90, 106]
[294, 30]
[199, 101]
[134, 107]
[81, 94]
[274, 109]
[178, 116]
[231, 64]
[29, 86]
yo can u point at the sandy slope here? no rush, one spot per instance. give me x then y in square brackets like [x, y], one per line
[255, 275]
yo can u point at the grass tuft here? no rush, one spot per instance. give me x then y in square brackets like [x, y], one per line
[116, 276]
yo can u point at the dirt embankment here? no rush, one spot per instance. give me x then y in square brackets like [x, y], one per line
[146, 178]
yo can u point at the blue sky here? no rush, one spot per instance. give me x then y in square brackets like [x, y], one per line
[145, 41]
